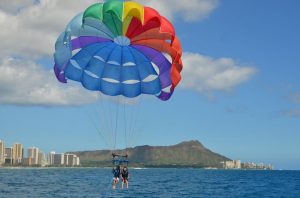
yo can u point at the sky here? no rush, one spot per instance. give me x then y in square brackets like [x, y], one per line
[239, 94]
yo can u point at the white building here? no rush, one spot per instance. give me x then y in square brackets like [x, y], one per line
[33, 153]
[68, 158]
[238, 164]
[58, 159]
[2, 152]
[235, 164]
[229, 164]
[51, 158]
[71, 160]
[63, 159]
[41, 159]
[77, 161]
[249, 165]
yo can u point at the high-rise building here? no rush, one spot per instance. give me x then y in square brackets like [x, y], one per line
[41, 158]
[33, 153]
[8, 155]
[71, 160]
[67, 158]
[51, 158]
[27, 161]
[76, 161]
[17, 153]
[238, 164]
[2, 152]
[235, 164]
[58, 159]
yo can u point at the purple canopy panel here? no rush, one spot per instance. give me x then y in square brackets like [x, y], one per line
[165, 96]
[163, 65]
[60, 75]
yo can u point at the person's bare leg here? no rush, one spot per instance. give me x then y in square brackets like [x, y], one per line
[114, 185]
[122, 184]
[127, 184]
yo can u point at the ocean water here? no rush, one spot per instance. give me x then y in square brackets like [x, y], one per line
[97, 182]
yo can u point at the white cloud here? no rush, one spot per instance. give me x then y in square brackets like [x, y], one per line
[33, 30]
[26, 83]
[205, 74]
[13, 6]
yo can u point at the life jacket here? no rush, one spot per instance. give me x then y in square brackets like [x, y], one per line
[116, 172]
[125, 173]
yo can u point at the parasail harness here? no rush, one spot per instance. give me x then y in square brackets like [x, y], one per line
[119, 159]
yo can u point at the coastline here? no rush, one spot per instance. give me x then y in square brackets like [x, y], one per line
[132, 167]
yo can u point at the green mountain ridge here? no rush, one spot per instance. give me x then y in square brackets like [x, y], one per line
[185, 154]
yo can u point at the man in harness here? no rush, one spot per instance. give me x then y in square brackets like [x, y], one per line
[124, 174]
[118, 160]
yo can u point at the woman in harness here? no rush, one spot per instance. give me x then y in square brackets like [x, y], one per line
[116, 172]
[125, 175]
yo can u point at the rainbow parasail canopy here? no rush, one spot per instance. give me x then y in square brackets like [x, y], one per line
[120, 48]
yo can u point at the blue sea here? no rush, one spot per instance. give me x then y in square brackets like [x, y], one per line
[97, 182]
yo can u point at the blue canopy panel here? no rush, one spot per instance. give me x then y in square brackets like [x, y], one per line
[114, 70]
[89, 27]
[76, 28]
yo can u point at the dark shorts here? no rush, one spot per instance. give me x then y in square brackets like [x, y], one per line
[124, 179]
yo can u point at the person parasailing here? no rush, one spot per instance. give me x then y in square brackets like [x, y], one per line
[125, 176]
[117, 161]
[116, 172]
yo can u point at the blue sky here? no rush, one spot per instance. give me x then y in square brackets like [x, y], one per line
[247, 107]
